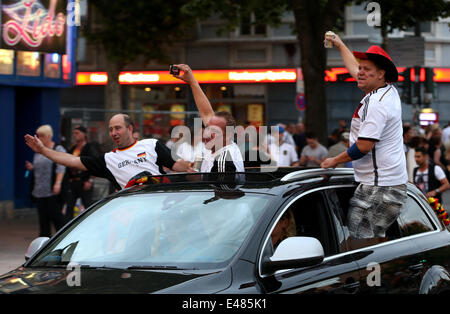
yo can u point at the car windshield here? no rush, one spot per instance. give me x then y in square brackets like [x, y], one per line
[195, 230]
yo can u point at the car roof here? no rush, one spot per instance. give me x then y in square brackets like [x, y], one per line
[267, 180]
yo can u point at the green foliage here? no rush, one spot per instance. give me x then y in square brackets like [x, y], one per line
[129, 29]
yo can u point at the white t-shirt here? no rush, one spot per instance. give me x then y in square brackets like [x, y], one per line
[186, 152]
[226, 159]
[320, 152]
[446, 134]
[121, 165]
[421, 179]
[379, 118]
[284, 155]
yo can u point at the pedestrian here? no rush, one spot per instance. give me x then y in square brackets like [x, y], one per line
[413, 144]
[314, 153]
[408, 134]
[287, 135]
[283, 153]
[225, 155]
[436, 151]
[428, 177]
[339, 148]
[446, 133]
[343, 126]
[46, 183]
[129, 159]
[333, 138]
[376, 143]
[299, 138]
[79, 183]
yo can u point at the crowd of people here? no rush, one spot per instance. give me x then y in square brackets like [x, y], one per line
[216, 150]
[58, 187]
[428, 158]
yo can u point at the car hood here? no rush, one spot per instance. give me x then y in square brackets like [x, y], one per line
[113, 281]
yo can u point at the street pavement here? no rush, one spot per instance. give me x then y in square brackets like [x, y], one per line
[17, 233]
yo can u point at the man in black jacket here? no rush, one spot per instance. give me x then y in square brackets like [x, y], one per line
[79, 183]
[428, 177]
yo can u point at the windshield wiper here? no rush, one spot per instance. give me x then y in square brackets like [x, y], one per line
[159, 267]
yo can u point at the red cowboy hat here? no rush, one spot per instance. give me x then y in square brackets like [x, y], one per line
[382, 59]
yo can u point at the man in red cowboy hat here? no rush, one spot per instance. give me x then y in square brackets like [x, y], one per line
[376, 143]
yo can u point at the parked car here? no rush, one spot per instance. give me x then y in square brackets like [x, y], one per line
[198, 233]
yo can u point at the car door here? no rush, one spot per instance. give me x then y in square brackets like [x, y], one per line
[418, 222]
[336, 274]
[391, 264]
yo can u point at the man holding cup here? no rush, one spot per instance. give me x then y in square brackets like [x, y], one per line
[376, 143]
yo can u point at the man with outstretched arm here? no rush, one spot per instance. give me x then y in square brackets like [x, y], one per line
[127, 160]
[225, 154]
[376, 143]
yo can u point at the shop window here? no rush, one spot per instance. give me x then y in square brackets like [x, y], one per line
[28, 63]
[66, 65]
[6, 61]
[51, 65]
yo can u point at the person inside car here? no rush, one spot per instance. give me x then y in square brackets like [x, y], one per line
[284, 228]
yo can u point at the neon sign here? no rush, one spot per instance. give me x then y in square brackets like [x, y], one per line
[442, 75]
[31, 25]
[263, 76]
[203, 76]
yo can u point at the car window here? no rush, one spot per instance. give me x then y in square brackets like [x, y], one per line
[344, 195]
[308, 217]
[202, 229]
[413, 220]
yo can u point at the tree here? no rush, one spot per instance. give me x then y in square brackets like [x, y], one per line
[127, 30]
[312, 20]
[404, 14]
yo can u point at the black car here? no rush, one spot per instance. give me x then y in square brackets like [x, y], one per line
[199, 233]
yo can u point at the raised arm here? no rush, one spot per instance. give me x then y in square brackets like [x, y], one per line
[349, 59]
[64, 159]
[203, 105]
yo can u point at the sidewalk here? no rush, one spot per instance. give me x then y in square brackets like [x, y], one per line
[15, 236]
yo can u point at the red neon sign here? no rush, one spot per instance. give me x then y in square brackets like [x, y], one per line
[30, 26]
[202, 76]
[442, 75]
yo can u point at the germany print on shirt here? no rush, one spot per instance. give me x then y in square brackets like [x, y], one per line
[122, 164]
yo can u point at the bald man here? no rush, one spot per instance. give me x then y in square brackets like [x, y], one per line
[128, 159]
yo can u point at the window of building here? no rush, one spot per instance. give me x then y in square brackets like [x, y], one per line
[6, 61]
[162, 108]
[52, 65]
[28, 63]
[250, 27]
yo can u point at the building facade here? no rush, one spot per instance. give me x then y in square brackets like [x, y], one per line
[35, 64]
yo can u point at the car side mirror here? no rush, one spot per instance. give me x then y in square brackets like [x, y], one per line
[294, 252]
[34, 246]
